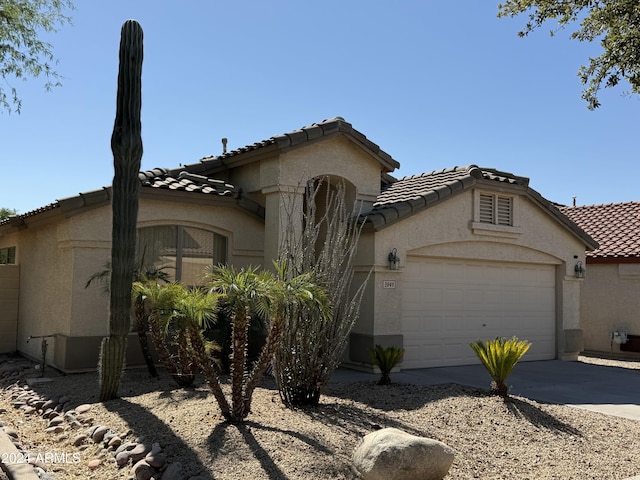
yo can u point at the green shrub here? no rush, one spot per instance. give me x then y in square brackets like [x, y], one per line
[385, 359]
[499, 357]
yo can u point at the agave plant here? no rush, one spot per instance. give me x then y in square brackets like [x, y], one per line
[499, 357]
[385, 359]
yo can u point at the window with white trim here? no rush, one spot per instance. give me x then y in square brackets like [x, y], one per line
[496, 209]
[183, 253]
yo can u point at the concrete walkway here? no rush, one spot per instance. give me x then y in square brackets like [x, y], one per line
[609, 390]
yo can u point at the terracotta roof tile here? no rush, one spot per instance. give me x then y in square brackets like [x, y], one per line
[615, 226]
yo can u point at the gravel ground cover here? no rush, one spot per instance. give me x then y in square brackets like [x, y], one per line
[493, 438]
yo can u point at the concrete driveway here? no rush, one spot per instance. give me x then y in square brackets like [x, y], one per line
[610, 390]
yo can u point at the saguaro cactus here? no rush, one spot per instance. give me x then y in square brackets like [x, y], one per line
[126, 145]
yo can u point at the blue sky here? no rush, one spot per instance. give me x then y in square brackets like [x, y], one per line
[435, 84]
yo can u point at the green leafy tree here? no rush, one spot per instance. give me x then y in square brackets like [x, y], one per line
[615, 23]
[500, 357]
[7, 212]
[22, 52]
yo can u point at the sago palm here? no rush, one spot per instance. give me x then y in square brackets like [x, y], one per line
[162, 299]
[499, 357]
[250, 291]
[243, 291]
[385, 359]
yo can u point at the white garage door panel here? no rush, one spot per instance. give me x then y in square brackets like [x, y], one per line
[448, 303]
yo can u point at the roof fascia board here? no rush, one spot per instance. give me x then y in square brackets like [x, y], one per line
[611, 260]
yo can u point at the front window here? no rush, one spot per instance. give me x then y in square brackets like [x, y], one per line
[7, 255]
[182, 252]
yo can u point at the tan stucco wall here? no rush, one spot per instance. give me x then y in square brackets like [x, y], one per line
[445, 230]
[282, 179]
[610, 301]
[9, 289]
[57, 259]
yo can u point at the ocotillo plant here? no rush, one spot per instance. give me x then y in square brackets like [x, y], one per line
[126, 145]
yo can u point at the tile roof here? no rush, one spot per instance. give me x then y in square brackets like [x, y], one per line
[315, 131]
[188, 182]
[160, 178]
[406, 196]
[410, 194]
[615, 226]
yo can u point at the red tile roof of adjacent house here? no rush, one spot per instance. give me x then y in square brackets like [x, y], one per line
[615, 226]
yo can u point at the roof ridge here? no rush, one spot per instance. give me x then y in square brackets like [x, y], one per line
[468, 168]
[597, 205]
[296, 137]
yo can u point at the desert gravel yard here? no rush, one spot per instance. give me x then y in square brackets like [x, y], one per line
[493, 438]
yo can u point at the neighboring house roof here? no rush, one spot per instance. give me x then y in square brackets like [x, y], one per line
[409, 195]
[616, 227]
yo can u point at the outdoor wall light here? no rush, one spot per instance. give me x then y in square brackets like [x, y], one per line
[394, 260]
[579, 269]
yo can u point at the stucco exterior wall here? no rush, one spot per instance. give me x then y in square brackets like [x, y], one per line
[610, 301]
[447, 230]
[281, 180]
[57, 258]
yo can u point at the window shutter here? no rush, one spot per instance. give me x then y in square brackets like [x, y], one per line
[504, 211]
[486, 208]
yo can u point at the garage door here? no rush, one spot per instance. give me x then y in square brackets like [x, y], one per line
[448, 304]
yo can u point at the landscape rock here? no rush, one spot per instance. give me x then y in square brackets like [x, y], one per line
[79, 439]
[175, 471]
[142, 470]
[98, 434]
[55, 421]
[122, 458]
[114, 442]
[393, 454]
[139, 452]
[85, 407]
[94, 463]
[156, 460]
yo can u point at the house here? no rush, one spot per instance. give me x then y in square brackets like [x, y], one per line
[480, 253]
[610, 298]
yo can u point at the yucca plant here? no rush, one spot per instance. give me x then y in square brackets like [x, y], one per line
[499, 357]
[385, 359]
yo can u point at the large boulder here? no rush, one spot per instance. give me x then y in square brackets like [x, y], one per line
[392, 453]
